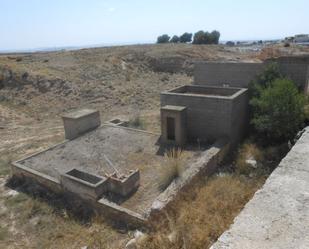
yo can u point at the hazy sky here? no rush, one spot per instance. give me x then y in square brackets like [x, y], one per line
[50, 23]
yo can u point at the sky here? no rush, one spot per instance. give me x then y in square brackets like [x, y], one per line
[29, 24]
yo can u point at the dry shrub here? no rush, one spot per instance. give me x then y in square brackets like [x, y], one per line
[200, 216]
[247, 151]
[173, 168]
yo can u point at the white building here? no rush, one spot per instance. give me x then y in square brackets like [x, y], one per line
[301, 38]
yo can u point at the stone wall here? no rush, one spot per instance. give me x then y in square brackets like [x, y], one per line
[277, 216]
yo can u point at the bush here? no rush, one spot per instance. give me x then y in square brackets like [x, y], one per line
[278, 110]
[136, 123]
[264, 79]
[163, 39]
[186, 37]
[286, 44]
[175, 39]
[230, 43]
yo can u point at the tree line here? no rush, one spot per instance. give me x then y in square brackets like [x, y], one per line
[200, 37]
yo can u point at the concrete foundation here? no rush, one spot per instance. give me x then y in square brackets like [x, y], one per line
[70, 167]
[79, 122]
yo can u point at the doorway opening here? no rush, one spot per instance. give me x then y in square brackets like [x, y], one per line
[170, 128]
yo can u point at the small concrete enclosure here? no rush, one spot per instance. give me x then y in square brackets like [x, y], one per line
[79, 122]
[173, 124]
[209, 113]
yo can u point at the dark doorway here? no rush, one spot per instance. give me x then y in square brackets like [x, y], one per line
[170, 128]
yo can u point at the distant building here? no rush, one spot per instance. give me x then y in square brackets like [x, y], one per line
[301, 38]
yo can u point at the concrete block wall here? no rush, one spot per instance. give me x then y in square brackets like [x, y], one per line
[207, 118]
[232, 74]
[212, 117]
[239, 117]
[241, 74]
[297, 73]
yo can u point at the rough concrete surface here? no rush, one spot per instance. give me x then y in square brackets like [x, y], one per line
[278, 214]
[127, 149]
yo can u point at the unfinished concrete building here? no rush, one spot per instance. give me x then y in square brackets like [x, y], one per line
[200, 114]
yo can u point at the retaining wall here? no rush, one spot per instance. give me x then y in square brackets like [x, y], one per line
[278, 214]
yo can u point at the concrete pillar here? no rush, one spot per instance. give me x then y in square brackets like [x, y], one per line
[173, 125]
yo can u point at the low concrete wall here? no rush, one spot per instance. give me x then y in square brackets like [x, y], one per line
[111, 211]
[126, 186]
[278, 214]
[121, 215]
[205, 166]
[21, 171]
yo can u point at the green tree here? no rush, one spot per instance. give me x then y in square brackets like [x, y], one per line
[175, 39]
[264, 79]
[186, 37]
[278, 110]
[199, 37]
[202, 37]
[214, 37]
[163, 38]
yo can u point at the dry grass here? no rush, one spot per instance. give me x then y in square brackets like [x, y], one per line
[46, 228]
[174, 167]
[198, 218]
[267, 158]
[137, 123]
[247, 151]
[4, 165]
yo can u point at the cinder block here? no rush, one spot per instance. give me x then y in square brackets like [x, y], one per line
[79, 122]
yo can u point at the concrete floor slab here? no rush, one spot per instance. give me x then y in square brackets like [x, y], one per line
[127, 149]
